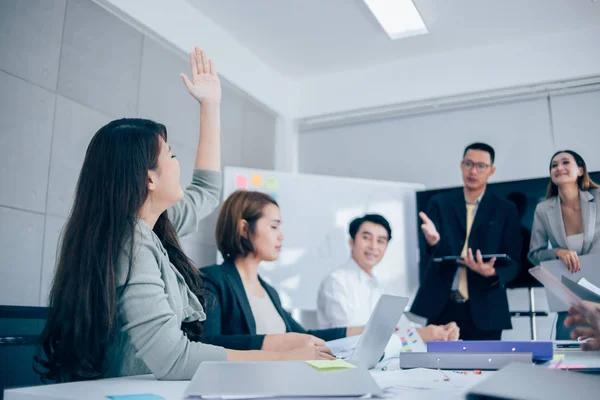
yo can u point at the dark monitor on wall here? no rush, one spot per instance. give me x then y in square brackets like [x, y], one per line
[525, 194]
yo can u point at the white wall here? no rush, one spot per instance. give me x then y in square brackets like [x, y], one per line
[576, 122]
[524, 62]
[427, 148]
[78, 69]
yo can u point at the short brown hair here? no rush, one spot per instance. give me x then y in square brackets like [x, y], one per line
[240, 205]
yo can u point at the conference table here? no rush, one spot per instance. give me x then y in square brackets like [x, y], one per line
[419, 383]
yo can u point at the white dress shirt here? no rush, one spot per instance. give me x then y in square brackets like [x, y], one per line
[347, 296]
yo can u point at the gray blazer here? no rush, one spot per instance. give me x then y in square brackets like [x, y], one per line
[548, 225]
[156, 299]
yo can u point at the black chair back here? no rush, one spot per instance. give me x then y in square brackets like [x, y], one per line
[20, 328]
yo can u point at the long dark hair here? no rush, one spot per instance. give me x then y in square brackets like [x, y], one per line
[112, 186]
[584, 182]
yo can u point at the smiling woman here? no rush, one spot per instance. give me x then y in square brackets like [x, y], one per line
[569, 219]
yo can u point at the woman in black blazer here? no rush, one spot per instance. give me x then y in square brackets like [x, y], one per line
[243, 311]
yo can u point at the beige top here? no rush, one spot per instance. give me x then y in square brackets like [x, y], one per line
[268, 321]
[576, 243]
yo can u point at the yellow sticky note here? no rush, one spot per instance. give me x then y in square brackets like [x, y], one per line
[328, 365]
[558, 357]
[256, 181]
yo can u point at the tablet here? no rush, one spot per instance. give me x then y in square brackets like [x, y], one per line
[557, 288]
[486, 257]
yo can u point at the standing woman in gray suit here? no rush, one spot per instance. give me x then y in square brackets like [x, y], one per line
[568, 219]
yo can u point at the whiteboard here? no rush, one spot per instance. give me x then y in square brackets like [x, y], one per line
[316, 211]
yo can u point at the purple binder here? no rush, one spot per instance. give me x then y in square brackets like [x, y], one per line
[542, 350]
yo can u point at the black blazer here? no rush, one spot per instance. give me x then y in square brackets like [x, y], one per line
[496, 229]
[229, 319]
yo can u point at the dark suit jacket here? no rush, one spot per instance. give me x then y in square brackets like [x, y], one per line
[496, 229]
[229, 319]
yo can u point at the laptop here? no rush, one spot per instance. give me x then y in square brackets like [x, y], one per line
[366, 350]
[277, 379]
[530, 382]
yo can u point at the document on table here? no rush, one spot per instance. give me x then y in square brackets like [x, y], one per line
[590, 271]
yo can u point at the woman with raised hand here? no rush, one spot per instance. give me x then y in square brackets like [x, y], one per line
[125, 299]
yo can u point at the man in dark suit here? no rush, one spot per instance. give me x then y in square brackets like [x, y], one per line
[470, 222]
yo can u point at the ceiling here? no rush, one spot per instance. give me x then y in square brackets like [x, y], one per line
[302, 38]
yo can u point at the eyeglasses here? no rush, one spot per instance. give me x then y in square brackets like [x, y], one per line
[479, 166]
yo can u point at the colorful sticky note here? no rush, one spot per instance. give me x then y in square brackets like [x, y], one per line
[241, 181]
[256, 181]
[328, 365]
[144, 396]
[273, 195]
[558, 357]
[272, 184]
[563, 366]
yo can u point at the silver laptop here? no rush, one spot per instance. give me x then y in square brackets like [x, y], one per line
[378, 331]
[277, 379]
[532, 382]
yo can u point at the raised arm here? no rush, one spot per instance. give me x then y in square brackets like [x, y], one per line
[202, 196]
[205, 87]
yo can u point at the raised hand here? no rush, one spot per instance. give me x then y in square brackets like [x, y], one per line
[432, 236]
[204, 85]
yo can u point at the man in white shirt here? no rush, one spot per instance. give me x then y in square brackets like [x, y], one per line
[348, 295]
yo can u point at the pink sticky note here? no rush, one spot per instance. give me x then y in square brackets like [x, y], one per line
[241, 181]
[571, 367]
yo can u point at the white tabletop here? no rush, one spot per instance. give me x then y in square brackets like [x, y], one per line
[422, 384]
[405, 385]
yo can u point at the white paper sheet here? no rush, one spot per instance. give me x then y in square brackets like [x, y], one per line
[590, 270]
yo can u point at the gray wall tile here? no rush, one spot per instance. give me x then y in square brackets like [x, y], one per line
[258, 137]
[21, 235]
[74, 127]
[201, 254]
[232, 127]
[30, 38]
[26, 115]
[100, 60]
[54, 226]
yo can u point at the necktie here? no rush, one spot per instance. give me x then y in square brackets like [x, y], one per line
[463, 289]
